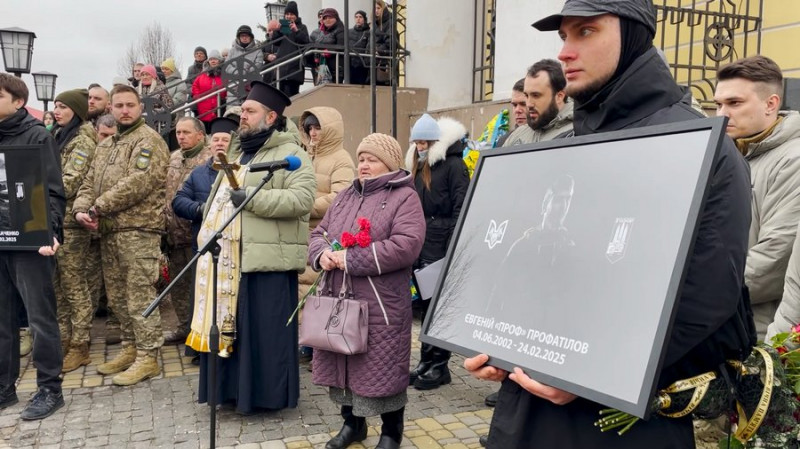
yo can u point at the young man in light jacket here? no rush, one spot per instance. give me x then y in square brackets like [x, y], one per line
[748, 93]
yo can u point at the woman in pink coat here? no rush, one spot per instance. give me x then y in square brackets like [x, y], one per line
[384, 199]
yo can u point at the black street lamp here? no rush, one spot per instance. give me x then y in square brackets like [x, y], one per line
[45, 83]
[274, 10]
[17, 46]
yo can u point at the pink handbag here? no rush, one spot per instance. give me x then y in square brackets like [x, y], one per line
[336, 324]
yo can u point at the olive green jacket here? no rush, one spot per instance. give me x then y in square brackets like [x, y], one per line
[275, 222]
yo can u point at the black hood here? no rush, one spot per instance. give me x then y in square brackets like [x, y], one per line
[18, 123]
[642, 90]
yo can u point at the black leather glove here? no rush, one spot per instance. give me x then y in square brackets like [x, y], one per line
[237, 197]
[198, 214]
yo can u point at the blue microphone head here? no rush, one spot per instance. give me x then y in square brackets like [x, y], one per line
[294, 163]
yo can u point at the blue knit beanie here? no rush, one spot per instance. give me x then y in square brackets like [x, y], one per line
[426, 128]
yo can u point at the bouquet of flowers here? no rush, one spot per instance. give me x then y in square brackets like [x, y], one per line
[349, 240]
[766, 397]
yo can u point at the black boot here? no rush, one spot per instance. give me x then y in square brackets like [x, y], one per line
[391, 430]
[353, 430]
[438, 374]
[425, 362]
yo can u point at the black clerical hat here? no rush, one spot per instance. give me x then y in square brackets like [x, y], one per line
[268, 96]
[223, 125]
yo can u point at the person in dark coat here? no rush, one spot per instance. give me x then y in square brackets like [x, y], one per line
[619, 82]
[330, 35]
[441, 180]
[379, 272]
[383, 42]
[284, 46]
[191, 198]
[28, 275]
[358, 38]
[200, 57]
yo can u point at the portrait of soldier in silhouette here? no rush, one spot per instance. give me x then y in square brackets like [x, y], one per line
[533, 258]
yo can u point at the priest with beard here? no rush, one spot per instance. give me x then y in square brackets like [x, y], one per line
[263, 250]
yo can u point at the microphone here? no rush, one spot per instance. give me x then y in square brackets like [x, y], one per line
[291, 163]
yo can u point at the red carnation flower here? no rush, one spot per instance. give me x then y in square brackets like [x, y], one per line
[348, 239]
[363, 239]
[363, 224]
[782, 350]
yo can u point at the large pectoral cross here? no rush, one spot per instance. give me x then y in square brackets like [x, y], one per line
[229, 168]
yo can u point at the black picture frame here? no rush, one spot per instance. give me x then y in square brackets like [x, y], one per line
[24, 199]
[447, 324]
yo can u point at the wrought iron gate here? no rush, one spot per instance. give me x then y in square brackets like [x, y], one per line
[699, 36]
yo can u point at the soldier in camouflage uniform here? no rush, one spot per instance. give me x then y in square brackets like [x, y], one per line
[194, 151]
[106, 127]
[77, 141]
[123, 197]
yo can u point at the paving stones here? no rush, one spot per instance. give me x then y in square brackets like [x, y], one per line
[164, 413]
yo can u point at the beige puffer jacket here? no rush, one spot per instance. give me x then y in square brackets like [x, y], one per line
[775, 206]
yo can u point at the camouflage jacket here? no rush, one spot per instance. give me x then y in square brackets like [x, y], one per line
[179, 231]
[75, 162]
[126, 181]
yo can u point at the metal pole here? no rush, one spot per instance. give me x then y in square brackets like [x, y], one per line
[45, 105]
[18, 75]
[213, 343]
[393, 68]
[372, 72]
[346, 42]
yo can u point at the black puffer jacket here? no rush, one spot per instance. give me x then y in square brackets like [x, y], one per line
[358, 38]
[22, 129]
[711, 320]
[449, 182]
[383, 34]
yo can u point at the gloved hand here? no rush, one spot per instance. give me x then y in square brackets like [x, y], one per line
[237, 197]
[198, 214]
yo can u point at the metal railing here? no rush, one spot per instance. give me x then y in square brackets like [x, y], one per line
[234, 82]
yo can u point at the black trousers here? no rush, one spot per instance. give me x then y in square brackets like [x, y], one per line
[29, 276]
[290, 88]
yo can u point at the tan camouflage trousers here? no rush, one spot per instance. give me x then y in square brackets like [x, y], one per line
[74, 300]
[180, 297]
[94, 272]
[130, 270]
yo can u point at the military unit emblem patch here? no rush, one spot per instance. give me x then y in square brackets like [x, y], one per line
[143, 161]
[79, 160]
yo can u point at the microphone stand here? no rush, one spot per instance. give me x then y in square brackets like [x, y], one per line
[213, 247]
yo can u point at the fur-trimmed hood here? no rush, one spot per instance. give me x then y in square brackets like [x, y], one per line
[452, 132]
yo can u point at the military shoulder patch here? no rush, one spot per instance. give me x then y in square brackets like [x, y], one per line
[143, 161]
[79, 160]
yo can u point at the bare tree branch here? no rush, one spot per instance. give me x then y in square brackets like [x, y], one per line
[127, 61]
[155, 44]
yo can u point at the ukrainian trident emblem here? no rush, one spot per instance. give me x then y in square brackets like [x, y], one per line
[495, 233]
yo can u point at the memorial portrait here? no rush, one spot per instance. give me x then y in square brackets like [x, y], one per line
[568, 257]
[24, 199]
